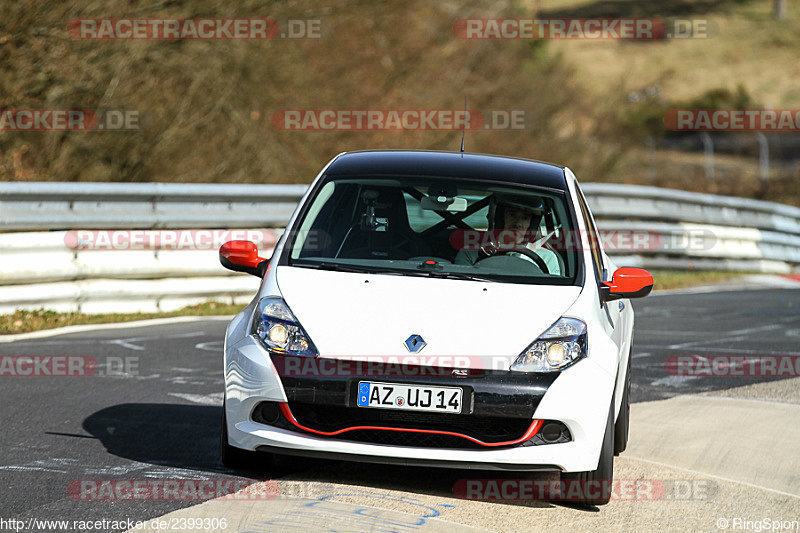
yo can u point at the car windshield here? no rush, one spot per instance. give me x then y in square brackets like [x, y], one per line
[445, 227]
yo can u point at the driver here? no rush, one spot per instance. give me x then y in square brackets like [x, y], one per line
[516, 226]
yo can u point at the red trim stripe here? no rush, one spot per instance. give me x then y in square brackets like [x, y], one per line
[536, 425]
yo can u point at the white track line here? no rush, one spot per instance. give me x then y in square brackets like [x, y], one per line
[112, 325]
[756, 400]
[745, 283]
[751, 485]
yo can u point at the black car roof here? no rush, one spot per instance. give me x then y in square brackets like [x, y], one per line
[448, 164]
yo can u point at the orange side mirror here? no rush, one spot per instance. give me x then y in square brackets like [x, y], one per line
[242, 256]
[627, 282]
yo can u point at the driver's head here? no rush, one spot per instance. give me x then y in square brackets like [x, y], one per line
[518, 222]
[516, 219]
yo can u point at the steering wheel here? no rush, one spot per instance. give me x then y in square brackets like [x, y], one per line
[524, 251]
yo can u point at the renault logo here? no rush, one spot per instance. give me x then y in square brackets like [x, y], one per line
[415, 343]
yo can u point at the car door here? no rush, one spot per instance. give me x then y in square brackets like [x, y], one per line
[613, 312]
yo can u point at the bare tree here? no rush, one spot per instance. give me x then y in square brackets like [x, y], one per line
[779, 9]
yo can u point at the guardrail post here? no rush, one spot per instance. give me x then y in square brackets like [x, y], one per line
[763, 156]
[651, 157]
[708, 146]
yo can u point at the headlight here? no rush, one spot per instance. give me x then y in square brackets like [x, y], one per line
[279, 330]
[561, 345]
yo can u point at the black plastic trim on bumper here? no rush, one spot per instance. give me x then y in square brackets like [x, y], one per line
[403, 461]
[500, 393]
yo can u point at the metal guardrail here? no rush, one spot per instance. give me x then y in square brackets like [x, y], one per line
[654, 203]
[40, 269]
[739, 233]
[69, 205]
[65, 205]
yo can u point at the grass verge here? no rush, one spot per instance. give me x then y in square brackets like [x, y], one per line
[679, 279]
[25, 321]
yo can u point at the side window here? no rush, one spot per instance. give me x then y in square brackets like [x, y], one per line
[594, 241]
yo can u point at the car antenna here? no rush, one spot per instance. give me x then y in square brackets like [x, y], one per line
[464, 126]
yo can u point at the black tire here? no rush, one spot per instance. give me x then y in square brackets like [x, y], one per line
[595, 486]
[622, 427]
[237, 458]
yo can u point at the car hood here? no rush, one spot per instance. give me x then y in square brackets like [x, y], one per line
[349, 314]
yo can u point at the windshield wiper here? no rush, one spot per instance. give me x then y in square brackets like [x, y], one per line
[325, 265]
[341, 267]
[455, 275]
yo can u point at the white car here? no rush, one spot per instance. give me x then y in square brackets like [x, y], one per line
[439, 309]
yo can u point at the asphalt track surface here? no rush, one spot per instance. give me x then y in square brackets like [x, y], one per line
[161, 420]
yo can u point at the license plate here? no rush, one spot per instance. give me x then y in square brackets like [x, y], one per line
[409, 397]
